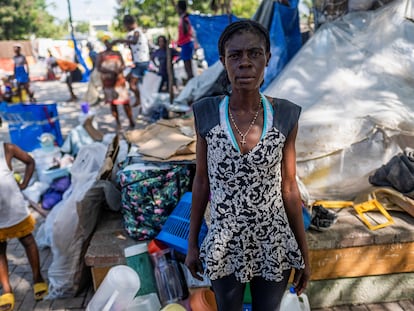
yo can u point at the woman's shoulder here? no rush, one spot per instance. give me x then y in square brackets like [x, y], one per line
[282, 103]
[206, 103]
[206, 113]
[285, 114]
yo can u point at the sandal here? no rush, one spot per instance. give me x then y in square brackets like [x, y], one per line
[7, 302]
[40, 290]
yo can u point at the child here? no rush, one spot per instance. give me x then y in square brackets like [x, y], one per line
[16, 222]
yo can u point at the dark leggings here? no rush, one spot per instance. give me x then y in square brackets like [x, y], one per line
[266, 295]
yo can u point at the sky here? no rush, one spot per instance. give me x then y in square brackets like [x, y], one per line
[83, 10]
[86, 10]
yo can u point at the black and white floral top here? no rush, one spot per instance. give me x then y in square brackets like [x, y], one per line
[249, 233]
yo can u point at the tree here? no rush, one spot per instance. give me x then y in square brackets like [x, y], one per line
[19, 19]
[156, 13]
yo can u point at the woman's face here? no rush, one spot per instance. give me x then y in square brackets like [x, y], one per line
[161, 43]
[245, 59]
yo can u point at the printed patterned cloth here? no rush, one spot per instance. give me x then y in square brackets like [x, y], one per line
[148, 198]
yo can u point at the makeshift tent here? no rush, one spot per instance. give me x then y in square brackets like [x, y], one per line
[354, 81]
[283, 25]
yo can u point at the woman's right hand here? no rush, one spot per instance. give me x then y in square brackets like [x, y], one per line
[193, 262]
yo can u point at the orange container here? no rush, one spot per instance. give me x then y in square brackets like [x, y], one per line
[203, 299]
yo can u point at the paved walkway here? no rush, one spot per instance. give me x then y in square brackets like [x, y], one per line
[20, 272]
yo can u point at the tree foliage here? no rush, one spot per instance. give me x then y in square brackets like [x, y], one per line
[162, 13]
[19, 19]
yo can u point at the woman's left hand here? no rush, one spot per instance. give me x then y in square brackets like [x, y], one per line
[301, 278]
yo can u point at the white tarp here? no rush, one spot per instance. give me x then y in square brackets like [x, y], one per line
[354, 81]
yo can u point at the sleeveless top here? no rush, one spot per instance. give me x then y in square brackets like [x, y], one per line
[139, 50]
[249, 233]
[182, 37]
[20, 72]
[13, 206]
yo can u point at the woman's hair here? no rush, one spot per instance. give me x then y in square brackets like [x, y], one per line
[246, 25]
[162, 37]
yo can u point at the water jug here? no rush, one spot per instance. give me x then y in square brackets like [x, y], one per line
[292, 302]
[116, 291]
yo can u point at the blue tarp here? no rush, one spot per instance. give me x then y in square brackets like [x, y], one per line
[285, 38]
[27, 122]
[281, 21]
[208, 29]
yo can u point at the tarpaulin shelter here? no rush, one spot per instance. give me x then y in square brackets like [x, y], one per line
[283, 25]
[354, 81]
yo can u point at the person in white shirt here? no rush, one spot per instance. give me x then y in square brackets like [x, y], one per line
[138, 44]
[16, 222]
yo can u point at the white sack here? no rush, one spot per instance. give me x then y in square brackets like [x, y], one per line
[59, 229]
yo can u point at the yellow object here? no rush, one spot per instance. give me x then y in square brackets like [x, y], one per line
[16, 98]
[7, 302]
[173, 307]
[40, 290]
[18, 178]
[334, 204]
[373, 206]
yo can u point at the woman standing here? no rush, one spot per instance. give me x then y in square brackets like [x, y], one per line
[246, 162]
[111, 64]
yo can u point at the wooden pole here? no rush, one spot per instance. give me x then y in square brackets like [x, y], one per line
[170, 72]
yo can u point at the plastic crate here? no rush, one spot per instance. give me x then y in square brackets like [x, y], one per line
[176, 229]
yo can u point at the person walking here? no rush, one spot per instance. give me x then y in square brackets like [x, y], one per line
[73, 74]
[21, 73]
[110, 64]
[246, 167]
[138, 44]
[16, 222]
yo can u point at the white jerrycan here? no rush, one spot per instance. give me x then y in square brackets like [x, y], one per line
[292, 302]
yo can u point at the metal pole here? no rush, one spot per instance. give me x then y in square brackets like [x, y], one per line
[70, 20]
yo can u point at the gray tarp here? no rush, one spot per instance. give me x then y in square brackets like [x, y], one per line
[354, 80]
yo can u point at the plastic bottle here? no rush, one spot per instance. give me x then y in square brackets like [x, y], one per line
[292, 302]
[167, 279]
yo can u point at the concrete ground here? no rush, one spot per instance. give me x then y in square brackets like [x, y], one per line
[20, 272]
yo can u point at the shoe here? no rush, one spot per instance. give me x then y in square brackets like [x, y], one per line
[40, 290]
[7, 302]
[322, 218]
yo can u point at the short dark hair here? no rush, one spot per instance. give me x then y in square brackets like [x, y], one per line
[182, 5]
[162, 37]
[128, 20]
[245, 25]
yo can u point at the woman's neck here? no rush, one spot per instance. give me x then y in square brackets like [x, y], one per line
[244, 100]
